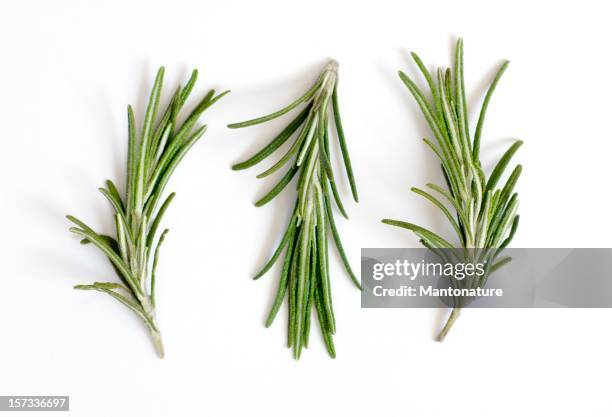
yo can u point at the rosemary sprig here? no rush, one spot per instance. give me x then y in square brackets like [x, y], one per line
[485, 216]
[305, 272]
[152, 158]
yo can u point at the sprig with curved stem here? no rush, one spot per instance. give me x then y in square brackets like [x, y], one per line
[152, 158]
[305, 278]
[485, 217]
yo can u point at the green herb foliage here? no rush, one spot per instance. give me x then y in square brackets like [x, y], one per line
[153, 155]
[483, 215]
[305, 274]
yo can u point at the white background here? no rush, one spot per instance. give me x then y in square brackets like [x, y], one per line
[70, 68]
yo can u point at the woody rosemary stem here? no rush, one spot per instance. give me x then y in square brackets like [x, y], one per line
[153, 327]
[449, 323]
[157, 341]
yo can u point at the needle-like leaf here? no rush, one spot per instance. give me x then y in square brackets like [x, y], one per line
[276, 143]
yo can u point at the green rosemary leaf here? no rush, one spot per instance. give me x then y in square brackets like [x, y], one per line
[327, 334]
[158, 218]
[205, 106]
[286, 179]
[122, 239]
[109, 240]
[276, 143]
[336, 195]
[160, 138]
[510, 183]
[463, 220]
[183, 132]
[168, 153]
[114, 245]
[441, 206]
[167, 173]
[190, 122]
[434, 239]
[311, 263]
[311, 289]
[325, 178]
[123, 300]
[311, 137]
[326, 136]
[439, 253]
[305, 294]
[175, 107]
[83, 227]
[112, 255]
[505, 224]
[113, 200]
[457, 147]
[94, 286]
[161, 145]
[506, 242]
[453, 186]
[499, 264]
[448, 145]
[287, 237]
[186, 91]
[292, 287]
[305, 277]
[425, 108]
[306, 180]
[336, 236]
[502, 164]
[460, 94]
[324, 264]
[154, 267]
[110, 286]
[163, 129]
[432, 87]
[480, 174]
[485, 106]
[306, 97]
[288, 155]
[112, 189]
[499, 214]
[343, 148]
[131, 162]
[282, 285]
[446, 82]
[147, 131]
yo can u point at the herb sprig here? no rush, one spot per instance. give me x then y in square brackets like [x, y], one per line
[305, 273]
[485, 216]
[152, 158]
